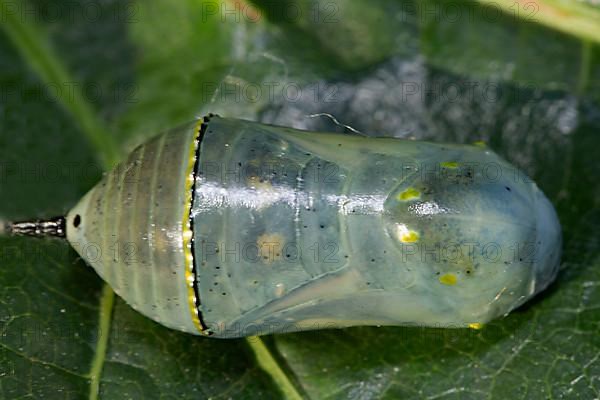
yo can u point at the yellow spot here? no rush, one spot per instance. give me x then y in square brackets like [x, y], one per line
[279, 289]
[406, 235]
[409, 194]
[479, 143]
[449, 164]
[410, 237]
[270, 247]
[476, 325]
[448, 279]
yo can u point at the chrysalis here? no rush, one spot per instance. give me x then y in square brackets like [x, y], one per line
[232, 228]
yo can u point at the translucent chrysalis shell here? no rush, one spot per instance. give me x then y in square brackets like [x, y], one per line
[232, 228]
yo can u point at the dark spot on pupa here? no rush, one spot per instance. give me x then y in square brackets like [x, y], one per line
[507, 188]
[77, 221]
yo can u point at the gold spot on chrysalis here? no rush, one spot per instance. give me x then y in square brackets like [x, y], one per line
[406, 235]
[409, 194]
[410, 237]
[449, 164]
[448, 279]
[270, 247]
[279, 289]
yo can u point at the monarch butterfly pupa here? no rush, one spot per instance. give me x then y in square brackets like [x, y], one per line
[231, 228]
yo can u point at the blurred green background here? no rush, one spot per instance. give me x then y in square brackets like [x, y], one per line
[82, 82]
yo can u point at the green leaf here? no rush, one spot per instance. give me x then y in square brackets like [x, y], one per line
[581, 20]
[83, 82]
[457, 38]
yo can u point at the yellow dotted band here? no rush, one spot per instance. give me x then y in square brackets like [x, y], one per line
[187, 231]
